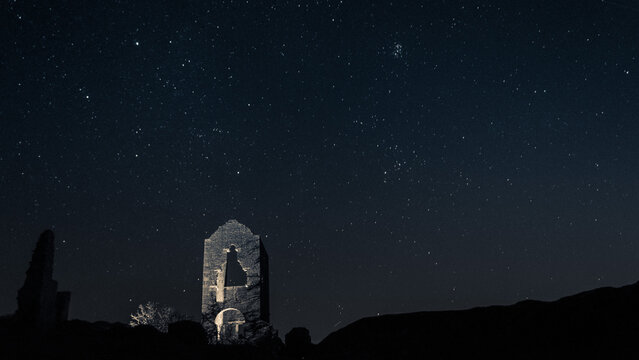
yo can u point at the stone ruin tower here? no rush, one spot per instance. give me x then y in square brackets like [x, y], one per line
[235, 292]
[40, 305]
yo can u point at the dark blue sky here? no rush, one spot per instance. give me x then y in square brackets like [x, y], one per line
[395, 157]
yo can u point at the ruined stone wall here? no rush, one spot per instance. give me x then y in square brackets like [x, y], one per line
[264, 300]
[250, 298]
[40, 305]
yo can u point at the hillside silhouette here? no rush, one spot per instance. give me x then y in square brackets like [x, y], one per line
[601, 323]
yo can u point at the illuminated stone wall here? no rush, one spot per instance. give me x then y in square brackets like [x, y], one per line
[239, 311]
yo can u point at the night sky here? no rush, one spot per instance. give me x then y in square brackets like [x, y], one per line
[394, 157]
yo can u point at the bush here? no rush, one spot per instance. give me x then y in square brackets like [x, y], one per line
[156, 315]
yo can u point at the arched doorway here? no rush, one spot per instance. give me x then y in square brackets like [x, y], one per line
[229, 324]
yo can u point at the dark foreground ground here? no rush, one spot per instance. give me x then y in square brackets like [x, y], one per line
[101, 340]
[602, 323]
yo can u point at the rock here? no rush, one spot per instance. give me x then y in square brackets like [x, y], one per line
[298, 342]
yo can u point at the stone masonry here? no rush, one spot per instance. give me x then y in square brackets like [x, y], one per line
[40, 305]
[235, 292]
